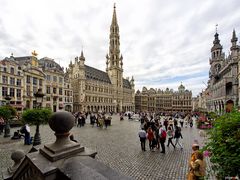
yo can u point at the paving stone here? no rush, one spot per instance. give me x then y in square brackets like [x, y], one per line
[118, 146]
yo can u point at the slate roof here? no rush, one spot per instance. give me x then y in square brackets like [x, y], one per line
[49, 64]
[126, 84]
[95, 74]
[98, 75]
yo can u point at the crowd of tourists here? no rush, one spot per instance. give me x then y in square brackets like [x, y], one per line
[157, 131]
[99, 119]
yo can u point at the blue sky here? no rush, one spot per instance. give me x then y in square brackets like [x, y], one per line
[163, 42]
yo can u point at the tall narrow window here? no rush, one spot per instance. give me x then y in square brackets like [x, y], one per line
[4, 91]
[18, 92]
[12, 92]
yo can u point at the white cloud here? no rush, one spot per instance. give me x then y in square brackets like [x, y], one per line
[162, 42]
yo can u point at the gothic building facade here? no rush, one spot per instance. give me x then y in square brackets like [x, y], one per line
[223, 85]
[168, 101]
[95, 90]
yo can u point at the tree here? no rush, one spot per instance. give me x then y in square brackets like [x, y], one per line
[224, 145]
[7, 112]
[36, 117]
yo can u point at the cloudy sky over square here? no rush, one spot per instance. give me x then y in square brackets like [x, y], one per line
[163, 43]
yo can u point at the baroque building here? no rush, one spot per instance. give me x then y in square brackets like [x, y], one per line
[95, 90]
[55, 85]
[21, 77]
[223, 85]
[168, 101]
[11, 83]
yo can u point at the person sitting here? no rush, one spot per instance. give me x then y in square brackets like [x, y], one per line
[17, 135]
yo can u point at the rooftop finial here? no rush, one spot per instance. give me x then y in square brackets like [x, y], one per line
[114, 6]
[216, 27]
[34, 53]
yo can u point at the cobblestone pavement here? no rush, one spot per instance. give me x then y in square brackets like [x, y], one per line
[118, 146]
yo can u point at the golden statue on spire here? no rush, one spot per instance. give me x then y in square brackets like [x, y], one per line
[34, 53]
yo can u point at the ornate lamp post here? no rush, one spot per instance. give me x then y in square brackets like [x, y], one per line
[39, 98]
[7, 126]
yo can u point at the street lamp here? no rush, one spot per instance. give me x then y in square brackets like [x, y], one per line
[39, 99]
[7, 126]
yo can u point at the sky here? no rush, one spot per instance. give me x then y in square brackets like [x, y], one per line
[163, 43]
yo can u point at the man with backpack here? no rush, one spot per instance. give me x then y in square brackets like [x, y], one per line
[162, 135]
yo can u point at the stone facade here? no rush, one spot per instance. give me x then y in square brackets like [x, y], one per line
[223, 85]
[199, 103]
[11, 83]
[57, 87]
[169, 101]
[21, 77]
[95, 90]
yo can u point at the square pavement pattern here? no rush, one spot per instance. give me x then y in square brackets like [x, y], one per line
[118, 147]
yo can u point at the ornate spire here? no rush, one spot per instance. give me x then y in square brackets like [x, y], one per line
[216, 42]
[82, 58]
[114, 18]
[216, 39]
[234, 41]
[114, 47]
[132, 79]
[234, 37]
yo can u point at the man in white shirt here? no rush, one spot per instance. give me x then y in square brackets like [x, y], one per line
[142, 135]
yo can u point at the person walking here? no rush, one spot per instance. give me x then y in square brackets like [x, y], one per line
[165, 123]
[92, 119]
[181, 122]
[177, 136]
[170, 133]
[157, 136]
[1, 125]
[142, 135]
[150, 137]
[79, 121]
[162, 135]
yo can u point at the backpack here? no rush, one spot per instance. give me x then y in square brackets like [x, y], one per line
[163, 134]
[23, 130]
